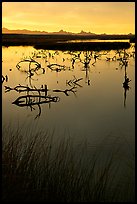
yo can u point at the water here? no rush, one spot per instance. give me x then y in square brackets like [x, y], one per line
[91, 104]
[98, 109]
[97, 40]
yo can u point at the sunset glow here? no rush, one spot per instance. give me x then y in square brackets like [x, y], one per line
[95, 17]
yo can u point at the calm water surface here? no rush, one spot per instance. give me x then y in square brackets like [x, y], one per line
[95, 107]
[97, 40]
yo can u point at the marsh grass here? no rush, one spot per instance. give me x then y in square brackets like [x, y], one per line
[40, 169]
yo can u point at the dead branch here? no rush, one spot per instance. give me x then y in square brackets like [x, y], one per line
[66, 91]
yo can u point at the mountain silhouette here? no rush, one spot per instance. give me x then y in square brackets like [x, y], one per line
[25, 31]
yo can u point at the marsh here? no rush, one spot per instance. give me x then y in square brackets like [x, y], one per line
[79, 94]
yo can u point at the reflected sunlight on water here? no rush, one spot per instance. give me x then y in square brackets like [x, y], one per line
[97, 40]
[93, 102]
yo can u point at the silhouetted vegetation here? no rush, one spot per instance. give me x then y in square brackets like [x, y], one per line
[80, 46]
[36, 167]
[31, 67]
[42, 169]
[41, 95]
[58, 42]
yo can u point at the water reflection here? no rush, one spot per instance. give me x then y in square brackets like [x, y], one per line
[74, 82]
[32, 67]
[4, 78]
[40, 96]
[32, 100]
[81, 92]
[86, 63]
[89, 88]
[97, 40]
[126, 83]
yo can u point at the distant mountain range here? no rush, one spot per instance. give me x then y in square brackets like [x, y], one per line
[25, 31]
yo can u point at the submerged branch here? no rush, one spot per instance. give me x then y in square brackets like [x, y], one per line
[20, 88]
[66, 91]
[29, 100]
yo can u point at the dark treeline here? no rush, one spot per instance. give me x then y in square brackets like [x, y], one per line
[60, 37]
[52, 41]
[80, 46]
[68, 36]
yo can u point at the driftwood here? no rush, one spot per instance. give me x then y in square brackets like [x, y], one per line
[66, 91]
[111, 58]
[29, 100]
[21, 88]
[57, 67]
[74, 82]
[30, 71]
[38, 65]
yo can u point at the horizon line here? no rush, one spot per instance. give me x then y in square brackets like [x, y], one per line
[69, 32]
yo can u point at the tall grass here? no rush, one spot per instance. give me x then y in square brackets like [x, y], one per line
[40, 169]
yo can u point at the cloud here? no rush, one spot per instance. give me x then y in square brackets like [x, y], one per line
[74, 15]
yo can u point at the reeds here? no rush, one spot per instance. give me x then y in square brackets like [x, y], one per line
[42, 169]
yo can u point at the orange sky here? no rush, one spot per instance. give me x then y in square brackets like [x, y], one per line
[96, 17]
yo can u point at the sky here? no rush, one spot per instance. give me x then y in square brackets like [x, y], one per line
[95, 17]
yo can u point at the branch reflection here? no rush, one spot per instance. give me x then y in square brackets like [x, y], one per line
[40, 61]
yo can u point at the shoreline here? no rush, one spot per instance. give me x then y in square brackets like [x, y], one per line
[60, 42]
